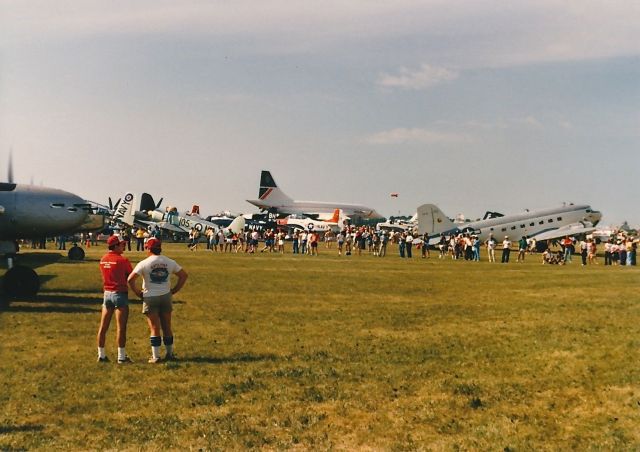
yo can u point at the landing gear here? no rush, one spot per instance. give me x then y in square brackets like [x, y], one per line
[76, 253]
[21, 282]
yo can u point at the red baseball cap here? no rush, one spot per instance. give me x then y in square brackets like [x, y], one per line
[153, 243]
[114, 240]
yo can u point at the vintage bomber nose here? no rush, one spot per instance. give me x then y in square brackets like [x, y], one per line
[47, 211]
[67, 212]
[594, 217]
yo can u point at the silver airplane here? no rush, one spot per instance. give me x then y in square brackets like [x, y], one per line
[131, 209]
[29, 211]
[272, 198]
[544, 224]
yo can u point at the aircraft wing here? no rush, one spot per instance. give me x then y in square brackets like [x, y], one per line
[169, 227]
[570, 230]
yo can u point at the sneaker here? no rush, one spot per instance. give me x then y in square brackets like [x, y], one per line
[153, 360]
[170, 357]
[125, 360]
[103, 360]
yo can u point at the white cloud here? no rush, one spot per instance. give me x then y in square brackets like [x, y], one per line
[423, 78]
[414, 136]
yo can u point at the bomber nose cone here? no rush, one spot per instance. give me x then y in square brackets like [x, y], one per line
[595, 217]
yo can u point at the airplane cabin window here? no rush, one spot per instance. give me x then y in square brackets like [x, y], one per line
[504, 229]
[559, 218]
[550, 220]
[532, 224]
[541, 222]
[513, 228]
[522, 226]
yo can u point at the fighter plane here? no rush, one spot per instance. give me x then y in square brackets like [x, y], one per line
[544, 224]
[149, 213]
[272, 198]
[29, 211]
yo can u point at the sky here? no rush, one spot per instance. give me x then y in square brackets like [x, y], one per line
[471, 105]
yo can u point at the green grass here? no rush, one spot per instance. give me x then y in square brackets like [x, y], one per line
[323, 352]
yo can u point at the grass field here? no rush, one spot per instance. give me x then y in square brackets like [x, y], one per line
[281, 352]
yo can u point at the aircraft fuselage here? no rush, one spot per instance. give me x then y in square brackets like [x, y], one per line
[29, 211]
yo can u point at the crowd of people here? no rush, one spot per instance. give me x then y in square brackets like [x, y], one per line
[351, 240]
[356, 240]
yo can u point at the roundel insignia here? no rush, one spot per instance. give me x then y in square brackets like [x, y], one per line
[310, 226]
[128, 197]
[198, 227]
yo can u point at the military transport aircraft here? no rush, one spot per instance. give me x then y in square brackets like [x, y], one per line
[29, 211]
[272, 198]
[544, 224]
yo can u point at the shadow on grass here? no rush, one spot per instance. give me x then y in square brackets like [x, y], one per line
[20, 428]
[50, 309]
[61, 304]
[236, 358]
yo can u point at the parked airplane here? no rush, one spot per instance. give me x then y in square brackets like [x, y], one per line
[545, 224]
[273, 198]
[150, 214]
[399, 225]
[28, 211]
[336, 222]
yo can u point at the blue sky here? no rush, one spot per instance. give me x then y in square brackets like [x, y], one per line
[474, 106]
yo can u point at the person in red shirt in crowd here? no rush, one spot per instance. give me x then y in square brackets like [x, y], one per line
[115, 269]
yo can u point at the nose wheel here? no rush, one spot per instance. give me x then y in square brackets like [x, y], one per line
[21, 282]
[76, 253]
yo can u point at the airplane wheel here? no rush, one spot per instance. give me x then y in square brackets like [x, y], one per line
[21, 282]
[76, 253]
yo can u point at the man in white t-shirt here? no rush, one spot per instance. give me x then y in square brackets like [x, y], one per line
[506, 249]
[156, 294]
[491, 248]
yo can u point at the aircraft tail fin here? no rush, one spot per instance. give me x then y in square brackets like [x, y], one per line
[237, 225]
[270, 192]
[124, 210]
[432, 220]
[147, 202]
[335, 218]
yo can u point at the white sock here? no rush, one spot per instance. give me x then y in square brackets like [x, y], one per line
[121, 353]
[155, 351]
[101, 353]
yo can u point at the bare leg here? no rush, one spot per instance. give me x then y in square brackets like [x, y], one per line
[122, 316]
[105, 321]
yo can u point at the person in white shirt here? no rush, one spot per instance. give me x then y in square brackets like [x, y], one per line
[506, 249]
[156, 295]
[491, 248]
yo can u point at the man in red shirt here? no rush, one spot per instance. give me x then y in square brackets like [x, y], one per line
[115, 269]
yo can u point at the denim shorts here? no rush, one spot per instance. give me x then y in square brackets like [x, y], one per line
[115, 299]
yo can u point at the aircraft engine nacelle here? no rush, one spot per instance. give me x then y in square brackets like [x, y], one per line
[155, 215]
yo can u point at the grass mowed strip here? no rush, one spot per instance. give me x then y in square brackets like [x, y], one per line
[283, 351]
